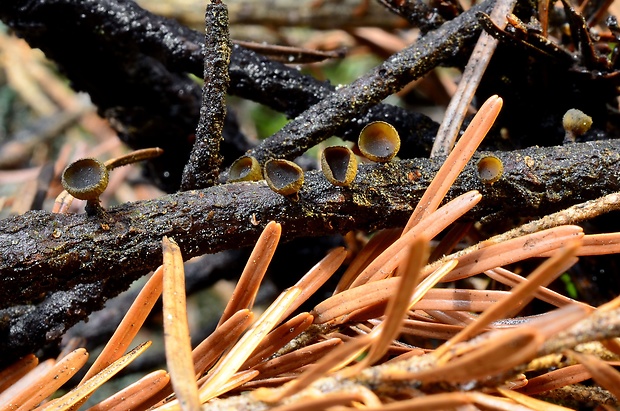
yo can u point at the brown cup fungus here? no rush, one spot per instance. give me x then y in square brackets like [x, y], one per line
[245, 168]
[85, 179]
[284, 177]
[339, 165]
[490, 169]
[379, 141]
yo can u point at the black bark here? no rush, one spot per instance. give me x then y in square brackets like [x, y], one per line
[203, 168]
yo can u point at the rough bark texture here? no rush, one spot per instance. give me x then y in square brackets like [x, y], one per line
[58, 255]
[203, 167]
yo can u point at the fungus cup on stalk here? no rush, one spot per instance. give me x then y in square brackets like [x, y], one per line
[284, 177]
[339, 165]
[379, 141]
[86, 179]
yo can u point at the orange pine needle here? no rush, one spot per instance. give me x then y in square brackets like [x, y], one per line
[31, 378]
[17, 370]
[209, 350]
[389, 260]
[373, 248]
[134, 395]
[317, 276]
[130, 325]
[510, 251]
[555, 379]
[511, 279]
[278, 338]
[533, 403]
[604, 374]
[521, 292]
[245, 291]
[398, 305]
[296, 359]
[234, 359]
[176, 329]
[505, 350]
[335, 359]
[456, 160]
[68, 401]
[48, 383]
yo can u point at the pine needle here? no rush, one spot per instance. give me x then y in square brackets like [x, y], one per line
[389, 259]
[48, 383]
[245, 291]
[76, 395]
[456, 161]
[234, 359]
[136, 394]
[17, 370]
[176, 329]
[521, 292]
[130, 325]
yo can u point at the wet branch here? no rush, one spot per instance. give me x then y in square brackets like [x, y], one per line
[203, 166]
[59, 255]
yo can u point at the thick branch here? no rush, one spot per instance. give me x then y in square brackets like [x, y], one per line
[43, 252]
[73, 263]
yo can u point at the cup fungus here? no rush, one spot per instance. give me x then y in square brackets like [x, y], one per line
[284, 177]
[576, 123]
[245, 168]
[379, 141]
[490, 169]
[85, 179]
[339, 165]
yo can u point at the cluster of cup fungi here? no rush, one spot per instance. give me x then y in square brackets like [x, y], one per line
[87, 178]
[378, 141]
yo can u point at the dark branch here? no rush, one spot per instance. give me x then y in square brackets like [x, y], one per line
[44, 253]
[203, 167]
[416, 12]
